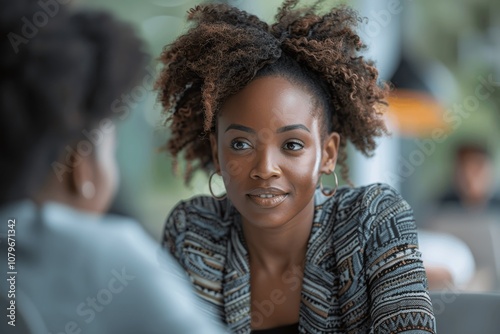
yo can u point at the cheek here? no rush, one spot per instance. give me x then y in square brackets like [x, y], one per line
[234, 167]
[303, 172]
[112, 174]
[109, 172]
[108, 180]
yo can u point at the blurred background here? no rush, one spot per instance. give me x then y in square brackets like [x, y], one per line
[443, 60]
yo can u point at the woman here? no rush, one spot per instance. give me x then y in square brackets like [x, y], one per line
[72, 268]
[270, 109]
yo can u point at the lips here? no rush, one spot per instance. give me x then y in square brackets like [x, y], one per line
[267, 191]
[267, 197]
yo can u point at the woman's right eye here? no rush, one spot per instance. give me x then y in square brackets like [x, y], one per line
[239, 145]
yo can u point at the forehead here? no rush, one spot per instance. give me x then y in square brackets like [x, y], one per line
[269, 102]
[471, 155]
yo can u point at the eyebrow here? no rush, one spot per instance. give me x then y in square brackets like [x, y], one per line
[240, 127]
[293, 127]
[280, 130]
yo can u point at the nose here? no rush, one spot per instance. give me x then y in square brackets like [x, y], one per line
[265, 165]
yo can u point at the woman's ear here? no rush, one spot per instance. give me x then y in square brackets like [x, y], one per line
[330, 153]
[215, 152]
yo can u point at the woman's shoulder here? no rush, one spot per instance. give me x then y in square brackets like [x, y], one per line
[198, 228]
[373, 197]
[200, 214]
[363, 208]
[385, 213]
[204, 207]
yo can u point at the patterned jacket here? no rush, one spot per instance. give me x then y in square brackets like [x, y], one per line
[363, 271]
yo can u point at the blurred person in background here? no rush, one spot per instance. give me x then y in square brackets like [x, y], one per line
[474, 180]
[448, 261]
[465, 225]
[72, 268]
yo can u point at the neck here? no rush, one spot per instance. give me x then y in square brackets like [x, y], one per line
[276, 250]
[60, 192]
[475, 203]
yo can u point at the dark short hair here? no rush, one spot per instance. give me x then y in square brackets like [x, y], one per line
[55, 83]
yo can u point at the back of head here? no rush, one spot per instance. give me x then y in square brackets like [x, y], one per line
[60, 76]
[469, 149]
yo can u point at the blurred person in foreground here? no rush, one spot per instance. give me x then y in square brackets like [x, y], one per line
[73, 269]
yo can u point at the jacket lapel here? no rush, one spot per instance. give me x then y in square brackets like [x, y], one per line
[236, 281]
[320, 282]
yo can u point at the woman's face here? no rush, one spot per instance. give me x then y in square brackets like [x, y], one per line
[270, 151]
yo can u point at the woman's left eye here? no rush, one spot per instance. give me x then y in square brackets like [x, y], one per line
[293, 146]
[239, 145]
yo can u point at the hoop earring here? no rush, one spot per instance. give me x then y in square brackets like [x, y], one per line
[330, 193]
[219, 198]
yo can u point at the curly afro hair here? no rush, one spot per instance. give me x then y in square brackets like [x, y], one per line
[226, 48]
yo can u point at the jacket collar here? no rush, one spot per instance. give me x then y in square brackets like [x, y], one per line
[317, 282]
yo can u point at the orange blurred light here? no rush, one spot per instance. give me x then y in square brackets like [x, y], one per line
[415, 114]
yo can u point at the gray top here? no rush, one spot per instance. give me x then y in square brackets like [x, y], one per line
[82, 273]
